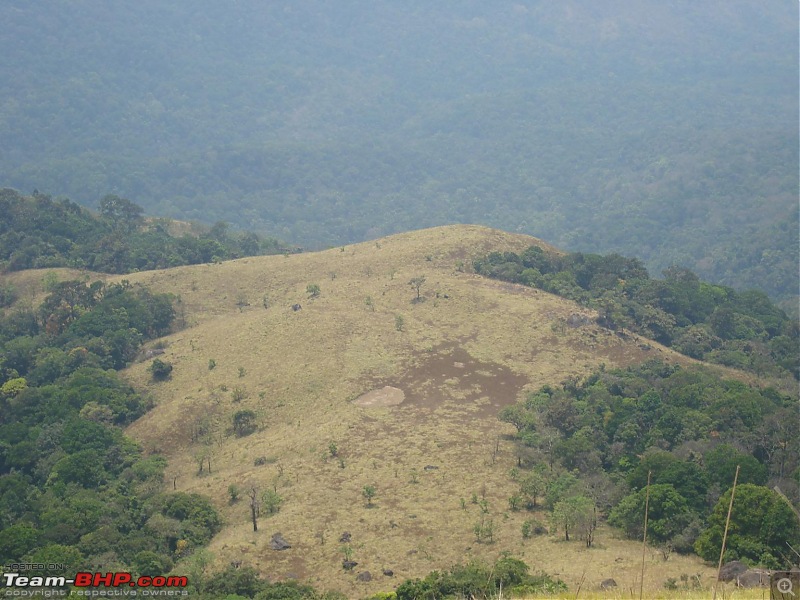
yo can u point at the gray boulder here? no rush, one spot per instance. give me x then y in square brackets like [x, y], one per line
[278, 542]
[753, 578]
[607, 584]
[730, 571]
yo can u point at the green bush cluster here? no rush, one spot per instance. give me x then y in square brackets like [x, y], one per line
[480, 580]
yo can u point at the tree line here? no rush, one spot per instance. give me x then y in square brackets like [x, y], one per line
[40, 232]
[715, 323]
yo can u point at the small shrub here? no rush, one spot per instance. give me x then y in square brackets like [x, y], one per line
[533, 527]
[233, 492]
[369, 493]
[238, 394]
[211, 364]
[272, 501]
[313, 290]
[244, 423]
[242, 372]
[160, 369]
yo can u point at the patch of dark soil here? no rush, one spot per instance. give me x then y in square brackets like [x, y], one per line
[449, 374]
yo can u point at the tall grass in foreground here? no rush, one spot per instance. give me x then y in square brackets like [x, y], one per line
[724, 593]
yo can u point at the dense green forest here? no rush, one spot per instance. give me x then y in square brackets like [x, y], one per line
[660, 130]
[715, 323]
[38, 232]
[73, 488]
[587, 447]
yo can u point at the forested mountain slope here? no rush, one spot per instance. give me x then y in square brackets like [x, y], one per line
[666, 131]
[385, 410]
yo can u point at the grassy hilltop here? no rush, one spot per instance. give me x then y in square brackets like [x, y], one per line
[465, 349]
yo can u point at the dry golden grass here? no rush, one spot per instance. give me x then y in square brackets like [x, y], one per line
[724, 592]
[472, 345]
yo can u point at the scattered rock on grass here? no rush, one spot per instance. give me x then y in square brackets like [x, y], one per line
[278, 542]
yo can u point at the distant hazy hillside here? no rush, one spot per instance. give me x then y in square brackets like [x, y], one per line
[665, 130]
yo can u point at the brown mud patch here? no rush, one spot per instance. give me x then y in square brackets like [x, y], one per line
[449, 378]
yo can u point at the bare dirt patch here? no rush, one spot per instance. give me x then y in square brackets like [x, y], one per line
[448, 376]
[386, 396]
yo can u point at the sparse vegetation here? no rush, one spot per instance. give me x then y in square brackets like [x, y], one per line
[238, 394]
[369, 493]
[313, 290]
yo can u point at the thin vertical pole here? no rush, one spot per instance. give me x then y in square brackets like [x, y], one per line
[725, 534]
[644, 538]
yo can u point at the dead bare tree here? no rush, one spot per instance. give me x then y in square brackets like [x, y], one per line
[252, 493]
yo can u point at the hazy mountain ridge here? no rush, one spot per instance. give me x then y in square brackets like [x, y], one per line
[665, 131]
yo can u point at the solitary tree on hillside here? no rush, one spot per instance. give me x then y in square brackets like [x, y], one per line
[575, 513]
[252, 492]
[417, 283]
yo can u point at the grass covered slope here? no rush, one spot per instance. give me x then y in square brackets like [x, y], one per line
[466, 348]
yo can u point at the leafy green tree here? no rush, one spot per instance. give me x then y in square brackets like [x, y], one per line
[272, 501]
[17, 540]
[574, 513]
[151, 563]
[243, 581]
[534, 484]
[417, 283]
[668, 513]
[519, 416]
[56, 554]
[245, 422]
[687, 478]
[84, 468]
[721, 463]
[122, 213]
[761, 526]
